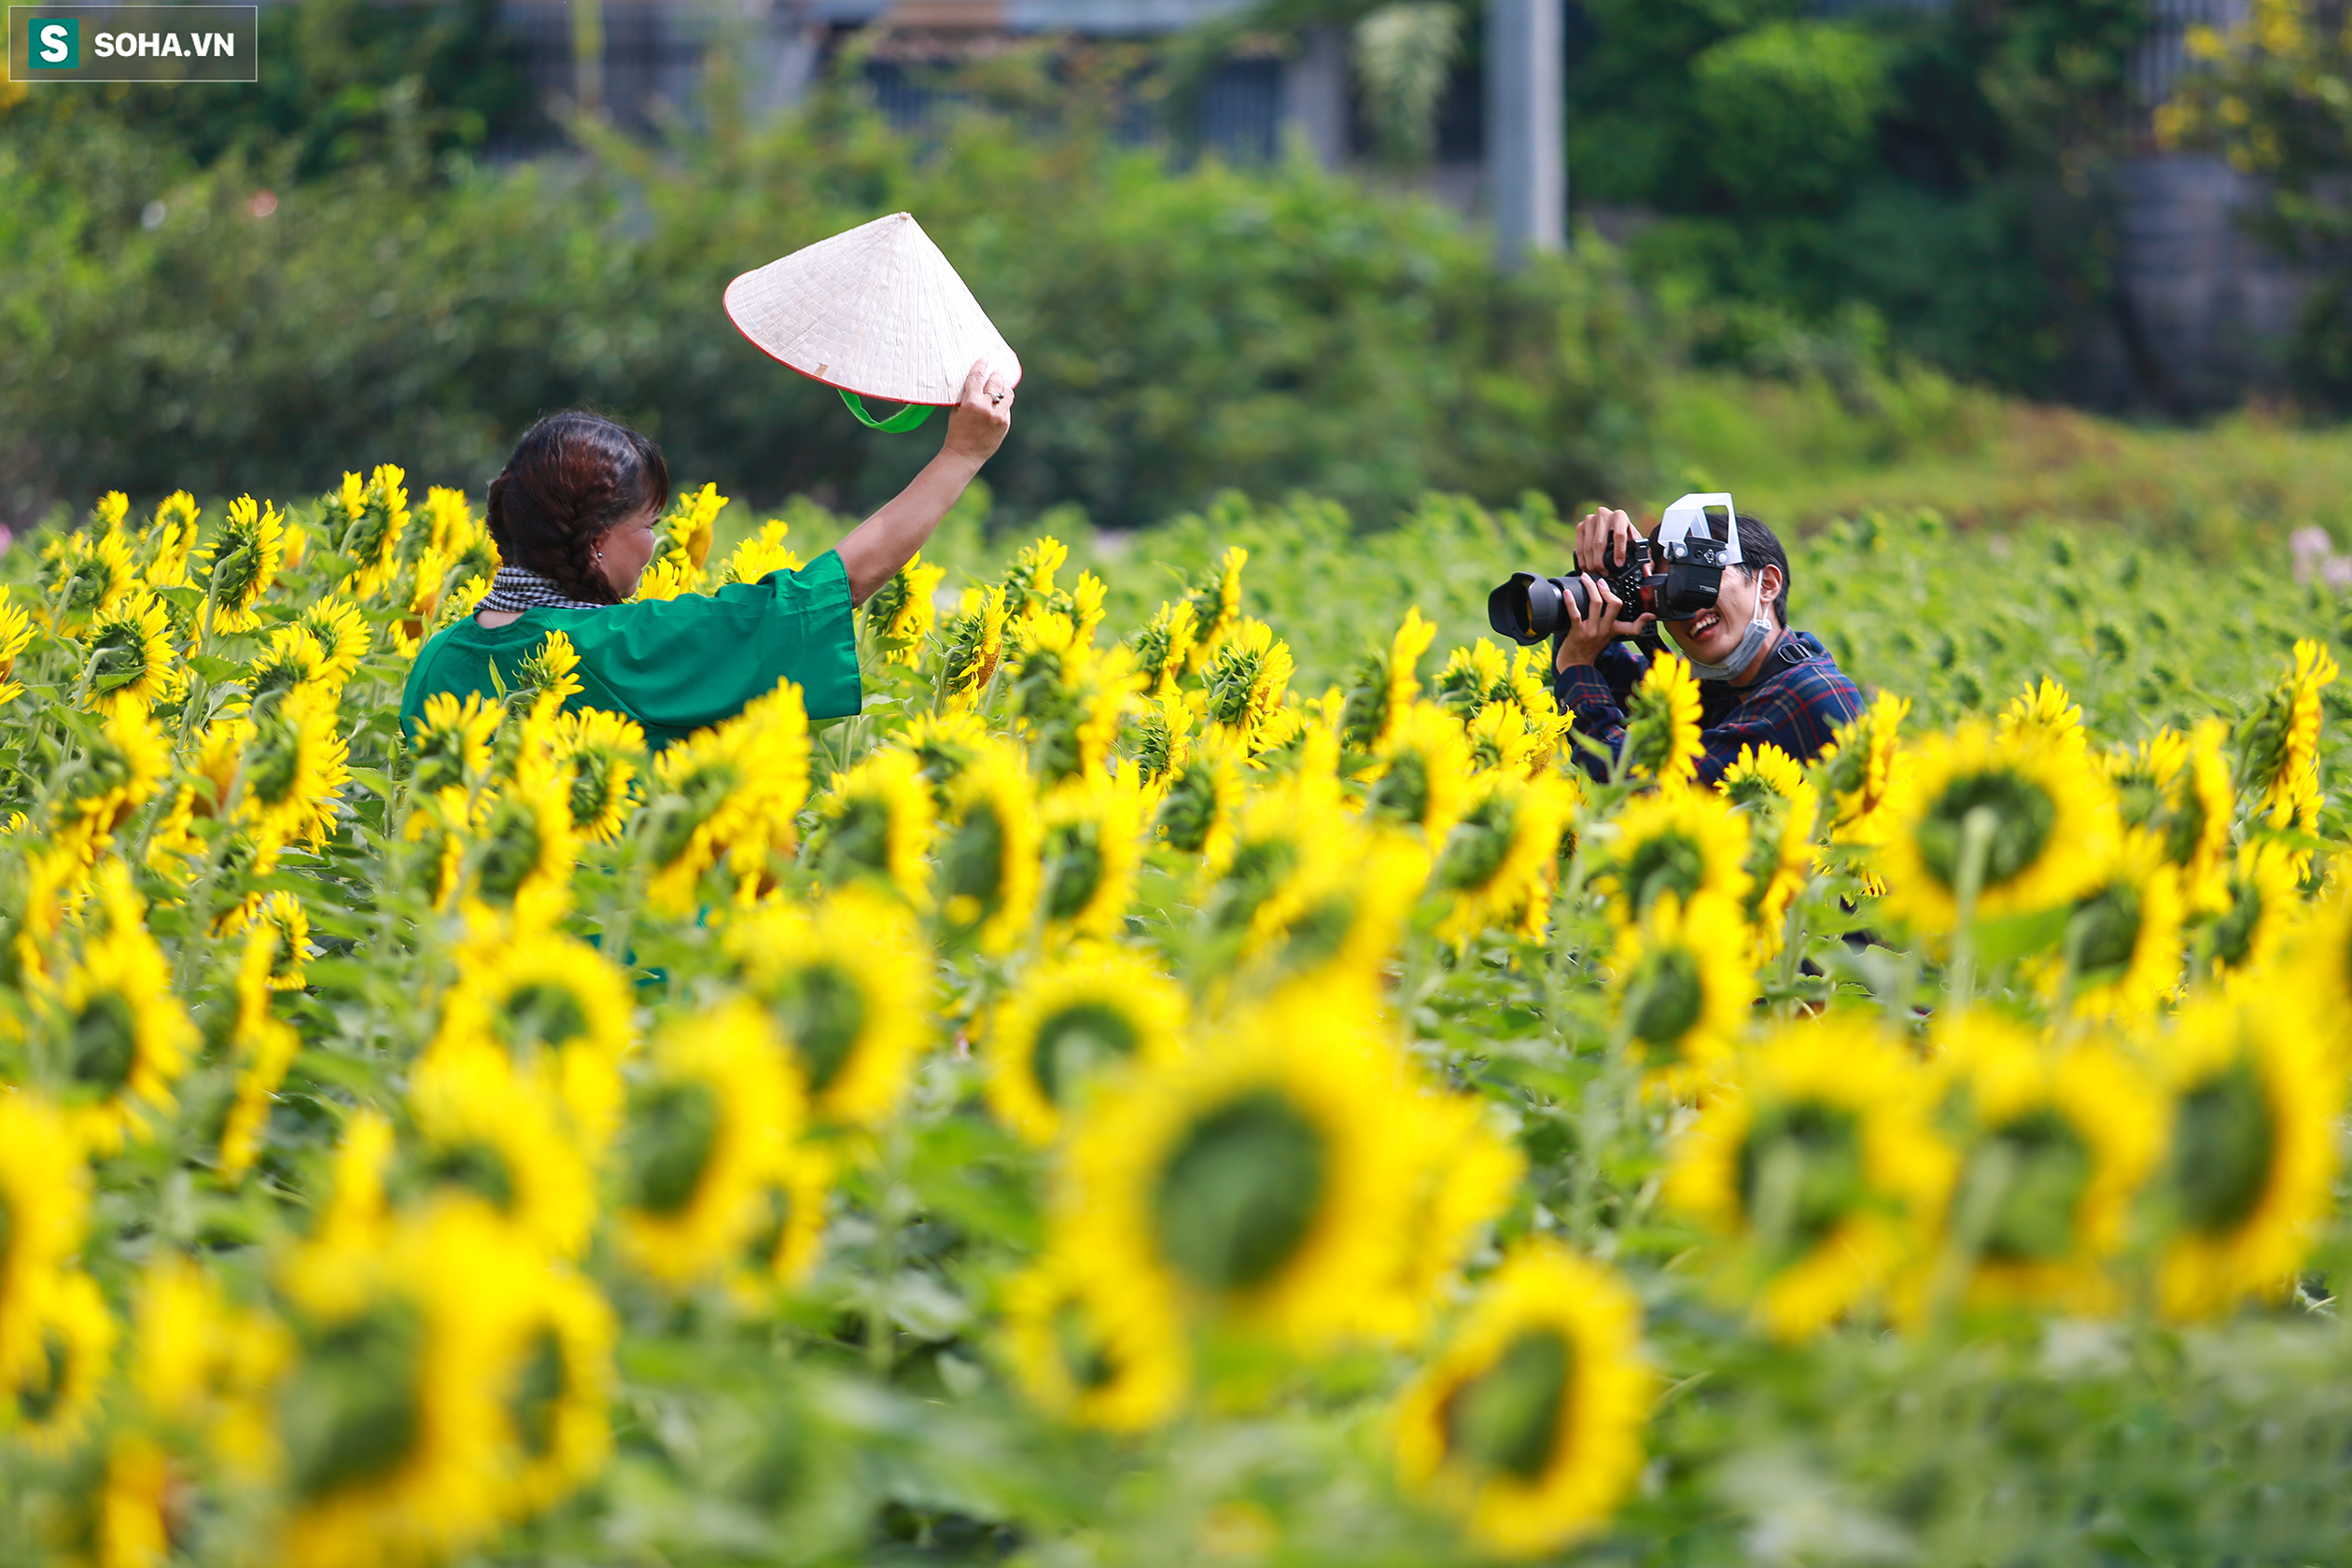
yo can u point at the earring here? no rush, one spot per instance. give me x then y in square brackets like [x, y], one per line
[599, 554]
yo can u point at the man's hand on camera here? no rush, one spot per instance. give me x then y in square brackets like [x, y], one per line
[1604, 541]
[1582, 637]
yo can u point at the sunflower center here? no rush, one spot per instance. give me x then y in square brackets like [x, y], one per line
[823, 1010]
[42, 1387]
[105, 1041]
[593, 787]
[510, 850]
[1318, 932]
[1401, 794]
[351, 1410]
[1239, 1192]
[1669, 996]
[776, 1210]
[2032, 1172]
[2103, 933]
[672, 1132]
[1801, 1170]
[1259, 869]
[274, 760]
[1667, 862]
[2023, 815]
[1073, 861]
[2184, 822]
[106, 767]
[861, 837]
[542, 1012]
[1477, 847]
[2224, 1140]
[1086, 1355]
[538, 1395]
[1189, 811]
[702, 793]
[1077, 1042]
[2232, 936]
[972, 864]
[1507, 1418]
[478, 1167]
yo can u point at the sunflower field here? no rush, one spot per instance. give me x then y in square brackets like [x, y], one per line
[1149, 1092]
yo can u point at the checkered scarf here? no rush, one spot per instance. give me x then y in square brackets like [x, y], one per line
[519, 588]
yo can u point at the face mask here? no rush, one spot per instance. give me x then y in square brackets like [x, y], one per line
[1752, 641]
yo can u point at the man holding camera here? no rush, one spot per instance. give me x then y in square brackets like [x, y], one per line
[1760, 683]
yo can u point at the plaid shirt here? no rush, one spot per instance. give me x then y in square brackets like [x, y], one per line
[1796, 704]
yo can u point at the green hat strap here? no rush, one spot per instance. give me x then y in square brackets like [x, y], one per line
[906, 418]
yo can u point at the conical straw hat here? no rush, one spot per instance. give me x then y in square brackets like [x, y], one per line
[877, 310]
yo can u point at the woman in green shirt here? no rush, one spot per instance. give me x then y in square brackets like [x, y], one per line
[573, 514]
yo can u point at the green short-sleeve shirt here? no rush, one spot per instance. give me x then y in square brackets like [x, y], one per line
[674, 665]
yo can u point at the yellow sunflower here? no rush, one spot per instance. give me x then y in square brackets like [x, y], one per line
[391, 1416]
[900, 612]
[1202, 797]
[783, 1249]
[119, 772]
[1471, 677]
[2175, 790]
[728, 792]
[559, 1007]
[2058, 1140]
[368, 521]
[205, 1367]
[1163, 648]
[1464, 1174]
[1528, 1425]
[1420, 777]
[265, 1047]
[688, 527]
[342, 632]
[1385, 685]
[283, 925]
[848, 983]
[1216, 595]
[2252, 1097]
[1680, 841]
[53, 1394]
[502, 1136]
[524, 849]
[2278, 755]
[1682, 990]
[2122, 953]
[16, 635]
[2262, 908]
[241, 563]
[601, 755]
[170, 540]
[1661, 724]
[1865, 771]
[987, 858]
[45, 1194]
[761, 555]
[1784, 809]
[2038, 822]
[1090, 1356]
[450, 748]
[293, 661]
[128, 654]
[1254, 1182]
[122, 1036]
[1089, 1011]
[295, 765]
[876, 823]
[975, 647]
[1500, 861]
[555, 1340]
[1809, 1164]
[87, 573]
[2043, 715]
[705, 1130]
[1246, 681]
[1088, 854]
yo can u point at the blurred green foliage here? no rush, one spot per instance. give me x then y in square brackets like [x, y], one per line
[1183, 330]
[1924, 180]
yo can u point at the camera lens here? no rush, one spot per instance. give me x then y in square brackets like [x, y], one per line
[1526, 608]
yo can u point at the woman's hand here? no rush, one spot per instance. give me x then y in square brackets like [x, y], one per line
[982, 414]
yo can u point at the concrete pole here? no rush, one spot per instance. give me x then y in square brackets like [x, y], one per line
[1315, 94]
[1527, 163]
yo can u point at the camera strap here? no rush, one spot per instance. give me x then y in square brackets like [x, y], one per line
[1752, 642]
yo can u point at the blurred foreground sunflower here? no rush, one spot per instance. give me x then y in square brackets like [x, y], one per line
[1089, 1014]
[2029, 825]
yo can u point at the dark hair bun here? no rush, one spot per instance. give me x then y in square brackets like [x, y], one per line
[573, 476]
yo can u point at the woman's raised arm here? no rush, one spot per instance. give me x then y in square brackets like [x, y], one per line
[887, 541]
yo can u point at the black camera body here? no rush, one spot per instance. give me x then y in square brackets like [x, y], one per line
[1674, 576]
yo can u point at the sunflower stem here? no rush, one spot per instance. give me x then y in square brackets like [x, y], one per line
[1976, 842]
